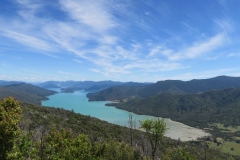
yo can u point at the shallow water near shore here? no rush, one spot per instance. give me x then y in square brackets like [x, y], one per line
[78, 102]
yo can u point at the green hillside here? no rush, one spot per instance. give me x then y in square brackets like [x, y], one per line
[54, 133]
[168, 86]
[218, 106]
[35, 117]
[217, 112]
[25, 93]
[115, 93]
[112, 140]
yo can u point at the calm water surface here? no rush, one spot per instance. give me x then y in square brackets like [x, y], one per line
[78, 102]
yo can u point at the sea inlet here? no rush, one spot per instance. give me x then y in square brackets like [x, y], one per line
[78, 102]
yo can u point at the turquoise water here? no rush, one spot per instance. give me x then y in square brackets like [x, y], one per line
[78, 102]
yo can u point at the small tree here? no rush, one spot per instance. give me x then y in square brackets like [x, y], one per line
[63, 145]
[155, 130]
[10, 114]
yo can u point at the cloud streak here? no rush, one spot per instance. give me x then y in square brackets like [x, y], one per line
[93, 14]
[199, 48]
[29, 41]
[96, 32]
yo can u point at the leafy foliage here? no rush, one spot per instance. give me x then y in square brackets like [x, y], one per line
[62, 145]
[181, 154]
[51, 143]
[155, 130]
[10, 114]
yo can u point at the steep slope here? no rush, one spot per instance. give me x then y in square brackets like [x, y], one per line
[39, 120]
[34, 117]
[25, 92]
[6, 83]
[31, 89]
[193, 86]
[217, 106]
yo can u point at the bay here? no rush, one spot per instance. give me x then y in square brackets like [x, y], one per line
[78, 102]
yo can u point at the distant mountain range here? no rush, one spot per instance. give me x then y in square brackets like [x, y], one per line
[71, 86]
[110, 90]
[168, 86]
[57, 84]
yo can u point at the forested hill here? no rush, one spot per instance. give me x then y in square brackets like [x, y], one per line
[6, 83]
[54, 133]
[38, 116]
[168, 86]
[217, 106]
[115, 93]
[25, 92]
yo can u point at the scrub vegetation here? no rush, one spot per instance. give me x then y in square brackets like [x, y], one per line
[36, 132]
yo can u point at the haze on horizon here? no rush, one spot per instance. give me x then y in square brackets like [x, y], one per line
[119, 40]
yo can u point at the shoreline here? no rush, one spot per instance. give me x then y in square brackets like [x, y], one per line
[191, 134]
[176, 129]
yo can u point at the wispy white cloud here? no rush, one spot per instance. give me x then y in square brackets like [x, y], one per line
[91, 13]
[143, 65]
[213, 58]
[95, 70]
[224, 25]
[188, 27]
[4, 64]
[160, 50]
[5, 77]
[11, 78]
[30, 41]
[92, 33]
[144, 25]
[78, 61]
[155, 50]
[200, 48]
[233, 55]
[222, 2]
[197, 49]
[69, 73]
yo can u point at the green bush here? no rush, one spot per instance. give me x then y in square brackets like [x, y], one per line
[10, 114]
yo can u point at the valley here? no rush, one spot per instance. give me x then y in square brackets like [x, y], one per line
[198, 103]
[210, 107]
[78, 102]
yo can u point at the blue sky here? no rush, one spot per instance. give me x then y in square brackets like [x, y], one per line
[120, 40]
